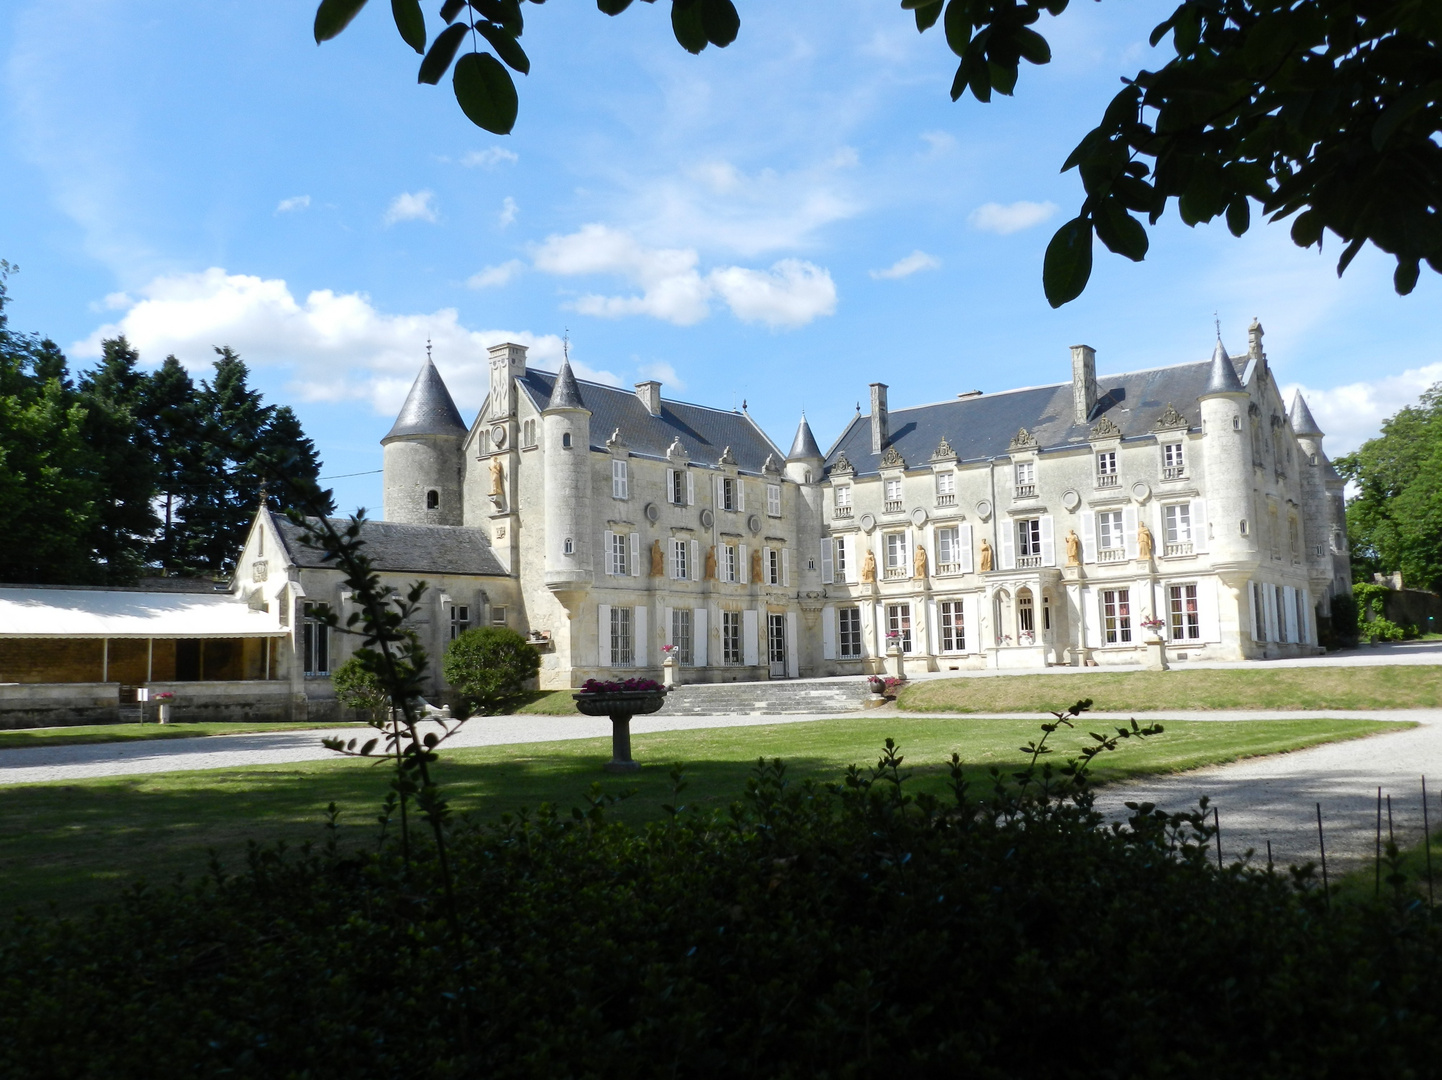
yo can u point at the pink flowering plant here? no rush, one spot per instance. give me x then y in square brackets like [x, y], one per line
[165, 697]
[621, 686]
[1152, 624]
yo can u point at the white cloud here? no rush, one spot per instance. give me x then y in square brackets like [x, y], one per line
[508, 211]
[1352, 414]
[664, 373]
[494, 276]
[939, 142]
[1013, 217]
[908, 265]
[489, 158]
[673, 289]
[295, 202]
[412, 206]
[338, 346]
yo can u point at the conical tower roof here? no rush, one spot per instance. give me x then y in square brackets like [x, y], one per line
[804, 445]
[1301, 417]
[566, 394]
[429, 409]
[1223, 378]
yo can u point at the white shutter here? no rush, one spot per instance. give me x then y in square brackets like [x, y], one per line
[1089, 536]
[608, 538]
[690, 488]
[765, 565]
[1207, 610]
[750, 656]
[828, 575]
[1201, 531]
[963, 533]
[1289, 615]
[1273, 614]
[1092, 604]
[1007, 528]
[1306, 616]
[1252, 607]
[853, 572]
[868, 629]
[1048, 541]
[933, 627]
[740, 495]
[638, 632]
[698, 637]
[694, 566]
[604, 648]
[828, 632]
[793, 662]
[669, 615]
[786, 566]
[635, 554]
[670, 484]
[744, 568]
[1129, 530]
[720, 492]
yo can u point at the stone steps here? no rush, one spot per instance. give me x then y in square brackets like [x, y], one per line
[771, 698]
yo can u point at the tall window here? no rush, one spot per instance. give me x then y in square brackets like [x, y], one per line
[1173, 463]
[1028, 538]
[842, 500]
[460, 620]
[528, 433]
[433, 499]
[1026, 614]
[953, 627]
[729, 500]
[896, 561]
[620, 563]
[1186, 621]
[848, 633]
[680, 560]
[729, 563]
[315, 641]
[622, 650]
[677, 494]
[565, 440]
[892, 489]
[1178, 519]
[731, 637]
[681, 636]
[1109, 530]
[1107, 463]
[1280, 599]
[773, 500]
[945, 488]
[948, 551]
[1294, 534]
[1025, 472]
[1259, 609]
[773, 566]
[1117, 616]
[839, 555]
[898, 626]
[620, 480]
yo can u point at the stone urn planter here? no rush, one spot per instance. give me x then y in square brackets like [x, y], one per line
[1156, 645]
[620, 701]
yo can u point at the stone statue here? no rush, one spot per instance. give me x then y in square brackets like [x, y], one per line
[919, 562]
[711, 563]
[658, 560]
[1073, 549]
[1145, 543]
[985, 556]
[868, 568]
[756, 566]
[498, 477]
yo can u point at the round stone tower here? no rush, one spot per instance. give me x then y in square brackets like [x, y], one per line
[566, 431]
[1226, 454]
[422, 456]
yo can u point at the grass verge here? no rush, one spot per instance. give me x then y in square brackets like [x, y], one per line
[1413, 686]
[548, 703]
[109, 733]
[70, 843]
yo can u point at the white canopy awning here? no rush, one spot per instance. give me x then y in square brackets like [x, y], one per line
[114, 613]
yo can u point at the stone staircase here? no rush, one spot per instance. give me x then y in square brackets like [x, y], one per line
[771, 698]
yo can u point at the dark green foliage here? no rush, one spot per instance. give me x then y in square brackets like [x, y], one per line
[490, 666]
[844, 930]
[1395, 522]
[358, 687]
[1344, 620]
[172, 416]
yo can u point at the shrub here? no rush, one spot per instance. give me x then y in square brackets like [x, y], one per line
[489, 666]
[1344, 619]
[358, 687]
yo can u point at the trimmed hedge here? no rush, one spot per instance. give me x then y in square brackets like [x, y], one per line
[812, 931]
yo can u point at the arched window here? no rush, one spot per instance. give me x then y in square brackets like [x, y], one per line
[565, 440]
[433, 499]
[570, 546]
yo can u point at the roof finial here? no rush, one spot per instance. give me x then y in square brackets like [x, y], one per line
[566, 345]
[1218, 323]
[428, 348]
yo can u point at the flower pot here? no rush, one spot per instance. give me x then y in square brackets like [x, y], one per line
[620, 706]
[165, 712]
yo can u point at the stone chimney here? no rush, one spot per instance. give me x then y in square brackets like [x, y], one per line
[650, 395]
[880, 423]
[1083, 382]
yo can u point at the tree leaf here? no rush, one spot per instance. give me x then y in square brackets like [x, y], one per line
[613, 7]
[1239, 215]
[368, 747]
[506, 46]
[1068, 263]
[957, 27]
[688, 25]
[1404, 279]
[926, 16]
[722, 21]
[507, 13]
[333, 16]
[443, 51]
[450, 9]
[1120, 231]
[485, 92]
[1034, 48]
[411, 23]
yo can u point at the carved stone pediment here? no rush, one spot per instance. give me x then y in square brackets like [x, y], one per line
[615, 442]
[1105, 429]
[943, 451]
[677, 452]
[726, 458]
[1022, 440]
[891, 459]
[771, 467]
[842, 466]
[1170, 419]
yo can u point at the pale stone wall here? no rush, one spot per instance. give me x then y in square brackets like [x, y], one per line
[415, 465]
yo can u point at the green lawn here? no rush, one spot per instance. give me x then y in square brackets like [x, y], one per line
[1393, 687]
[108, 733]
[70, 842]
[548, 703]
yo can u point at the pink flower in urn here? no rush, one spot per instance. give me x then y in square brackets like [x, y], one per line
[165, 697]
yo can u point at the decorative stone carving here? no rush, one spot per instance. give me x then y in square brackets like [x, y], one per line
[1022, 440]
[868, 568]
[919, 562]
[1070, 499]
[1073, 548]
[1145, 543]
[711, 563]
[1105, 429]
[707, 518]
[658, 560]
[891, 459]
[756, 565]
[726, 458]
[615, 442]
[498, 478]
[943, 451]
[770, 465]
[983, 509]
[841, 466]
[677, 452]
[985, 556]
[1170, 419]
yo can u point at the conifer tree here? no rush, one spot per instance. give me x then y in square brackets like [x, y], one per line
[171, 414]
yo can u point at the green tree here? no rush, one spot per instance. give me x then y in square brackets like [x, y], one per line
[172, 417]
[489, 666]
[1395, 521]
[1330, 110]
[357, 686]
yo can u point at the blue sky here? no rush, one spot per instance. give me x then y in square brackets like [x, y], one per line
[780, 222]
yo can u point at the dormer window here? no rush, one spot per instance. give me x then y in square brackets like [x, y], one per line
[433, 499]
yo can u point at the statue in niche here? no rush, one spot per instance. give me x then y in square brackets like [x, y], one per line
[711, 563]
[868, 568]
[986, 564]
[1073, 549]
[919, 562]
[498, 478]
[756, 566]
[658, 560]
[1145, 543]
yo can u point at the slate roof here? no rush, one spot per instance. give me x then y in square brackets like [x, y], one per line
[1303, 423]
[1222, 374]
[419, 549]
[565, 394]
[804, 445]
[704, 432]
[429, 409]
[982, 427]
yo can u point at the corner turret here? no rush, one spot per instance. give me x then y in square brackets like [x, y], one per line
[421, 459]
[1226, 462]
[566, 429]
[805, 461]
